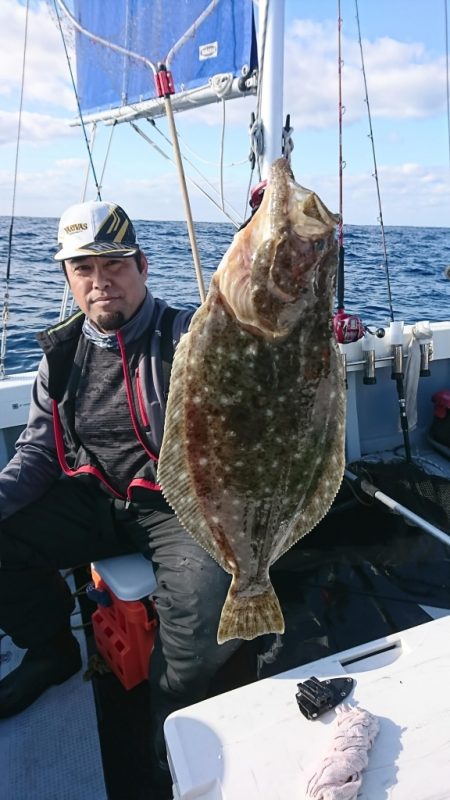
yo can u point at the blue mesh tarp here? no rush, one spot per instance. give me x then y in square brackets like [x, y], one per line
[224, 42]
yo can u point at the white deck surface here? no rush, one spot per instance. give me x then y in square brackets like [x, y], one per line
[254, 743]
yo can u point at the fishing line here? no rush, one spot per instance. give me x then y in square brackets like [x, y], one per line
[347, 327]
[375, 172]
[340, 269]
[5, 312]
[397, 372]
[94, 175]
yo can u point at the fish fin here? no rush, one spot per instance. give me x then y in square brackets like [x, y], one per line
[245, 617]
[173, 463]
[310, 511]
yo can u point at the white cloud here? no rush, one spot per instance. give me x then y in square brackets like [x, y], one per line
[35, 128]
[46, 71]
[44, 192]
[410, 195]
[404, 82]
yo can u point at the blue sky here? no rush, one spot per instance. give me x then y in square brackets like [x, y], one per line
[405, 60]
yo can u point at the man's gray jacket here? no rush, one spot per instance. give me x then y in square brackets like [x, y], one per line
[36, 466]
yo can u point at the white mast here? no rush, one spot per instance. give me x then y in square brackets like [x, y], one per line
[271, 50]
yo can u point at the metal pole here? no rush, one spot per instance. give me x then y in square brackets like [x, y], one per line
[397, 508]
[272, 81]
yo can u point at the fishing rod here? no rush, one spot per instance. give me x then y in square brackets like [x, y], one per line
[396, 328]
[347, 327]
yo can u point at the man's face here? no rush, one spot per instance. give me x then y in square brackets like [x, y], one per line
[108, 290]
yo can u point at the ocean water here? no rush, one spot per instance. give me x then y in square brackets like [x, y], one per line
[417, 260]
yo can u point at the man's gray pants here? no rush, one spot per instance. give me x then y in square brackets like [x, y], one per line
[75, 523]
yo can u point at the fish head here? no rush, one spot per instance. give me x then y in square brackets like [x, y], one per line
[282, 264]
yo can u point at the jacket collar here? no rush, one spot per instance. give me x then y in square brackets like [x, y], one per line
[132, 329]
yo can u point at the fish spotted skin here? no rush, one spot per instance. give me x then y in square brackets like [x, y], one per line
[253, 448]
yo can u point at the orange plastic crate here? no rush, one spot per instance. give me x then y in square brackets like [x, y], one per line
[124, 636]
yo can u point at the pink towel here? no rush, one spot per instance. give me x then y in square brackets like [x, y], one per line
[338, 776]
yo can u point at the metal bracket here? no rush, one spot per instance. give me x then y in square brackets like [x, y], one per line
[314, 697]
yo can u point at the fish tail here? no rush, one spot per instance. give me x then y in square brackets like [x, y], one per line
[245, 617]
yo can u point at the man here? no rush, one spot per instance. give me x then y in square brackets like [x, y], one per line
[97, 416]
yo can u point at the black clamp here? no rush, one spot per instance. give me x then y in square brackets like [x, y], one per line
[315, 697]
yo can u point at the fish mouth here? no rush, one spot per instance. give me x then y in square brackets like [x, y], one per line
[283, 261]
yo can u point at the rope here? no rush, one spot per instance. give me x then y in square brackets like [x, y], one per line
[221, 85]
[287, 141]
[257, 141]
[5, 312]
[375, 174]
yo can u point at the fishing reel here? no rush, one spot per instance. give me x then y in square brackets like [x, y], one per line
[347, 327]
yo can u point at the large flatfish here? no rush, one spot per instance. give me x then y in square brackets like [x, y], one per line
[253, 448]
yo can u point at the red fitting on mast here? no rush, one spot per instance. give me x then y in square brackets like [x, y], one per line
[164, 84]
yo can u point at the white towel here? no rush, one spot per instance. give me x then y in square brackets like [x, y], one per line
[339, 775]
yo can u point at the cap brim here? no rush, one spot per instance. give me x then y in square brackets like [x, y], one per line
[113, 249]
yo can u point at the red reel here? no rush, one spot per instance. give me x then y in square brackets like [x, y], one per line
[347, 327]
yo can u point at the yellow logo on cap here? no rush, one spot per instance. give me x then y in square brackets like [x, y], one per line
[77, 226]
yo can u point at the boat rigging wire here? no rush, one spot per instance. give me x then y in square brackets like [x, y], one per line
[113, 128]
[88, 169]
[5, 312]
[77, 99]
[375, 173]
[152, 122]
[220, 164]
[161, 152]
